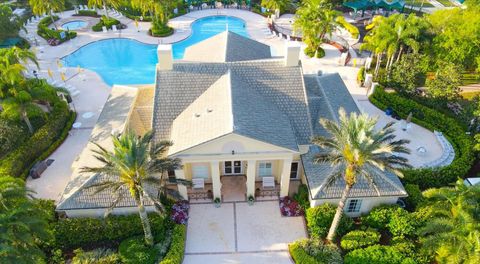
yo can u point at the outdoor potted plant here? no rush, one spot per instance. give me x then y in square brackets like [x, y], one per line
[251, 199]
[217, 202]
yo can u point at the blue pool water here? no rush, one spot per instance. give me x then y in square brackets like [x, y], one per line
[126, 61]
[73, 25]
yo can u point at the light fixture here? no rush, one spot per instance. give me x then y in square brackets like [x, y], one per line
[233, 152]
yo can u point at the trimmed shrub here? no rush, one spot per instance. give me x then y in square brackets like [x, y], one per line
[320, 218]
[320, 53]
[310, 52]
[96, 256]
[161, 31]
[73, 233]
[377, 254]
[433, 120]
[361, 75]
[360, 239]
[177, 248]
[89, 13]
[53, 36]
[133, 250]
[314, 251]
[415, 196]
[108, 23]
[41, 144]
[380, 216]
[11, 136]
[392, 218]
[302, 196]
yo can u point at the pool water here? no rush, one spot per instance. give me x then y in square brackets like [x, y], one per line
[73, 25]
[127, 61]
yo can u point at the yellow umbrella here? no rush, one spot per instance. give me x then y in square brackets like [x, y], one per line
[50, 74]
[79, 69]
[59, 64]
[136, 23]
[62, 75]
[354, 62]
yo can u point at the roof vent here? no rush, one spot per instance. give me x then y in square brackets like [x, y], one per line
[209, 110]
[197, 115]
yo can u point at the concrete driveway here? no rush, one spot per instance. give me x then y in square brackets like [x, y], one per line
[239, 233]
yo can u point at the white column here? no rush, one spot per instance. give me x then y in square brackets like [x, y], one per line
[182, 189]
[251, 168]
[285, 177]
[216, 183]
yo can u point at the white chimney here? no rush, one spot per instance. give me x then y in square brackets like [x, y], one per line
[165, 57]
[292, 53]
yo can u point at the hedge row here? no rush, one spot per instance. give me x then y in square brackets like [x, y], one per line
[89, 13]
[432, 120]
[177, 248]
[40, 145]
[299, 254]
[107, 22]
[72, 233]
[47, 33]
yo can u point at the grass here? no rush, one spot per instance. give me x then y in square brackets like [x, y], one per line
[446, 3]
[418, 3]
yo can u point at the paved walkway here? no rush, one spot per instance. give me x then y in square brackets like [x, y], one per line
[239, 233]
[94, 92]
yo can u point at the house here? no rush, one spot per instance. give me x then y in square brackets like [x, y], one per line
[241, 122]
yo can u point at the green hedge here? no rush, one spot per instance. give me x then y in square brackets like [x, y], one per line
[359, 239]
[89, 13]
[133, 250]
[163, 31]
[177, 248]
[107, 22]
[45, 32]
[73, 233]
[320, 218]
[40, 145]
[377, 254]
[299, 255]
[432, 120]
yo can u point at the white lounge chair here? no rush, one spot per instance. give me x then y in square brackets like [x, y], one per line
[114, 28]
[268, 182]
[104, 29]
[198, 183]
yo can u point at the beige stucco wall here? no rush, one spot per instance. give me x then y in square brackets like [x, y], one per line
[367, 203]
[99, 213]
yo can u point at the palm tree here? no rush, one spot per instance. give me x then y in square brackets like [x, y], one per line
[11, 67]
[134, 164]
[22, 223]
[315, 19]
[452, 233]
[279, 5]
[103, 4]
[356, 149]
[20, 104]
[40, 7]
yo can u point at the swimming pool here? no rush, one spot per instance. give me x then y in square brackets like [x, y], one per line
[127, 61]
[76, 24]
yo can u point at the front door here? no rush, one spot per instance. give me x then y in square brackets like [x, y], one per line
[232, 167]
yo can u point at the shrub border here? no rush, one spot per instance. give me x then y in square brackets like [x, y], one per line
[432, 120]
[176, 251]
[298, 254]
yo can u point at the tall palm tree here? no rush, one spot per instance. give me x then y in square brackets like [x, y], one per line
[279, 5]
[20, 105]
[356, 149]
[11, 66]
[134, 164]
[452, 233]
[40, 7]
[103, 4]
[22, 224]
[315, 19]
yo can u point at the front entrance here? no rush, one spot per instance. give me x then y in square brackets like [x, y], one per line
[234, 189]
[234, 167]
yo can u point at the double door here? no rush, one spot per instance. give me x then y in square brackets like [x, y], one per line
[233, 167]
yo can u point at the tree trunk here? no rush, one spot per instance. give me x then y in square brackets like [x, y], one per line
[338, 213]
[105, 9]
[145, 222]
[377, 65]
[27, 121]
[399, 53]
[53, 20]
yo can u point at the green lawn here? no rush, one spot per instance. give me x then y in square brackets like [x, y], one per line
[446, 3]
[418, 3]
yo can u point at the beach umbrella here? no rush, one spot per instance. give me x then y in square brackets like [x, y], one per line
[63, 77]
[59, 64]
[79, 70]
[50, 74]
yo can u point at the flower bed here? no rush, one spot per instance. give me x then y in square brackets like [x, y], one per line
[179, 213]
[289, 207]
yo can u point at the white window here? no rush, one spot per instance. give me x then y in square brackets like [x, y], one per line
[265, 169]
[354, 205]
[200, 171]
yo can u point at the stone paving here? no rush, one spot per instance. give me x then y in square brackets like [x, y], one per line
[239, 233]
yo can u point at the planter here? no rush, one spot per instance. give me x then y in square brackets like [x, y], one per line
[217, 202]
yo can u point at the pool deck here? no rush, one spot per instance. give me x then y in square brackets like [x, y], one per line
[94, 92]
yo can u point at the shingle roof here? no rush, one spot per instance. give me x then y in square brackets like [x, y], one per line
[227, 47]
[326, 94]
[282, 87]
